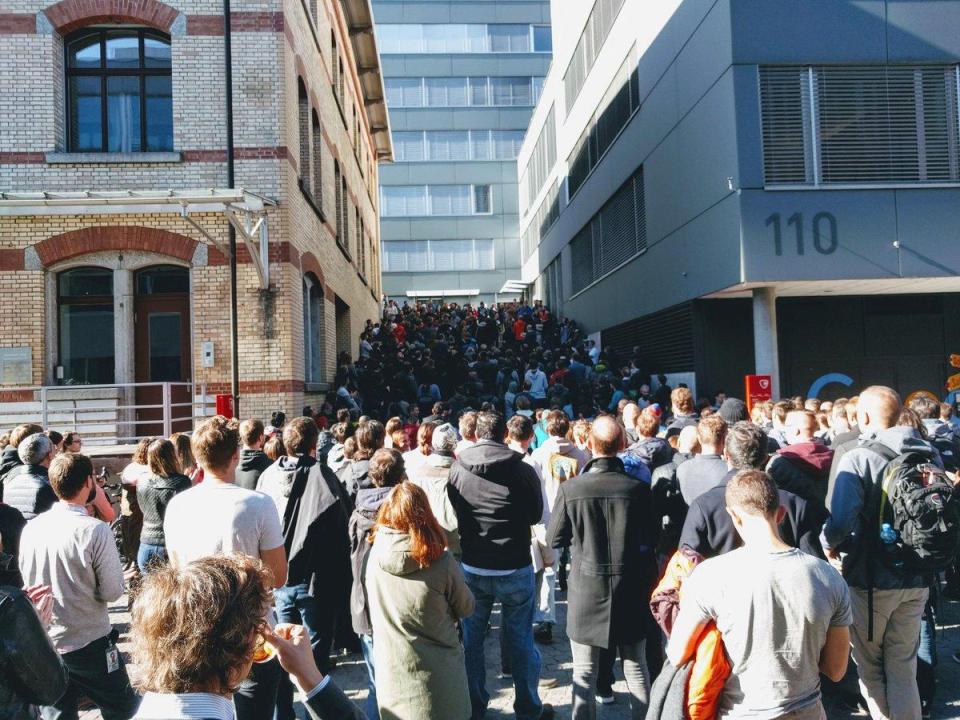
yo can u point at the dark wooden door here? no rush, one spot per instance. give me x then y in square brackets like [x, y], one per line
[162, 347]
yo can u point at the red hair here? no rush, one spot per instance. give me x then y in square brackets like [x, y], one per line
[407, 510]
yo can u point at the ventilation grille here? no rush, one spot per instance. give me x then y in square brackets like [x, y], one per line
[860, 125]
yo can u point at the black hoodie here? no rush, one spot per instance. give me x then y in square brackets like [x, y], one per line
[497, 497]
[252, 464]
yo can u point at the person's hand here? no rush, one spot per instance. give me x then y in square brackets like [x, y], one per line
[295, 653]
[42, 598]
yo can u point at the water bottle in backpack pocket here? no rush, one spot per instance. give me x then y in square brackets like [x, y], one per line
[919, 516]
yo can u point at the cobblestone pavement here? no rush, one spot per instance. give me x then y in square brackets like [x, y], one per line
[351, 674]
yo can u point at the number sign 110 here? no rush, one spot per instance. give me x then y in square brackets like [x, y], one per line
[824, 228]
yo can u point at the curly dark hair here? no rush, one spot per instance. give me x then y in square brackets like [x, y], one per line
[194, 627]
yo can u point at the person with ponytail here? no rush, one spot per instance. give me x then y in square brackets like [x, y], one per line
[416, 592]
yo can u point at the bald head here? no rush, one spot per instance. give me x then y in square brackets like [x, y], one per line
[801, 425]
[689, 440]
[630, 412]
[878, 408]
[606, 437]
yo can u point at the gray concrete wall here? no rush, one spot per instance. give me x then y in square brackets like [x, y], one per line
[710, 222]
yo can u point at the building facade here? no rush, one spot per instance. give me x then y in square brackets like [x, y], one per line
[739, 186]
[462, 79]
[116, 208]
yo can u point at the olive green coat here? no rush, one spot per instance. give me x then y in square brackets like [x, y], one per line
[417, 653]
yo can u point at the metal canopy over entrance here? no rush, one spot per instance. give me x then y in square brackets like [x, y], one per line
[244, 210]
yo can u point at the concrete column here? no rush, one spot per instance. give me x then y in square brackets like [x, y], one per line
[765, 354]
[123, 337]
[124, 348]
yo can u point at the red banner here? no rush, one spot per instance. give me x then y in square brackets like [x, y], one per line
[759, 388]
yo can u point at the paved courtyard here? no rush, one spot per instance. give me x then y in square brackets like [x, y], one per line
[350, 673]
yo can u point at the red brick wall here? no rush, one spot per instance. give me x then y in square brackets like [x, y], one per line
[123, 237]
[68, 15]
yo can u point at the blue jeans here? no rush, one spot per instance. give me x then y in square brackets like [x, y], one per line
[366, 646]
[296, 605]
[150, 555]
[516, 593]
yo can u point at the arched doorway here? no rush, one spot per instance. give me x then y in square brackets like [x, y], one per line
[162, 345]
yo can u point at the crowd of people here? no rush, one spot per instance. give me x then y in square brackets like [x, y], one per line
[471, 458]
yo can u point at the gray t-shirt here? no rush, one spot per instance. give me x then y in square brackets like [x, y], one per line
[773, 611]
[213, 518]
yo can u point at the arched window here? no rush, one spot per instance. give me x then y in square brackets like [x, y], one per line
[85, 300]
[119, 92]
[312, 329]
[303, 124]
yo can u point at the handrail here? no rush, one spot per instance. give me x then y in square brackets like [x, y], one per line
[113, 419]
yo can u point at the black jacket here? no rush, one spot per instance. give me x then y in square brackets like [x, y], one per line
[30, 669]
[27, 488]
[669, 503]
[369, 500]
[9, 459]
[11, 525]
[608, 519]
[709, 530]
[153, 495]
[497, 497]
[315, 531]
[252, 463]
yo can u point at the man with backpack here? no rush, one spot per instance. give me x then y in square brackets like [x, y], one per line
[886, 557]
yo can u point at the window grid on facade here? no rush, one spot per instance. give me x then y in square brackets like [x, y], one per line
[444, 145]
[860, 125]
[618, 105]
[313, 337]
[613, 235]
[442, 200]
[547, 214]
[540, 163]
[303, 126]
[472, 91]
[552, 279]
[447, 38]
[595, 32]
[119, 92]
[438, 255]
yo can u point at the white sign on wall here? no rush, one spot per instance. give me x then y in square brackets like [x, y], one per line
[16, 366]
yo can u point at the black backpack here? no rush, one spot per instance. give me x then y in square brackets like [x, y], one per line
[917, 500]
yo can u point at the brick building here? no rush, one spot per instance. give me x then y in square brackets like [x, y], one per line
[115, 205]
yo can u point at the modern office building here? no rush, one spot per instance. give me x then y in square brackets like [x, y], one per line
[116, 206]
[739, 186]
[461, 79]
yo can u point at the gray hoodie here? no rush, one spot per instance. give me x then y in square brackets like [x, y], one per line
[854, 500]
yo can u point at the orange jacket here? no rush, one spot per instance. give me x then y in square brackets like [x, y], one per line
[711, 667]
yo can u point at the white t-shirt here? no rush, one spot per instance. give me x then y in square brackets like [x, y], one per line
[773, 611]
[215, 518]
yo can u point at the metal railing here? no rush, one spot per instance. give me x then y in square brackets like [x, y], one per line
[114, 414]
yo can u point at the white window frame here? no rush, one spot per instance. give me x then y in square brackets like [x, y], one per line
[481, 250]
[429, 200]
[414, 34]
